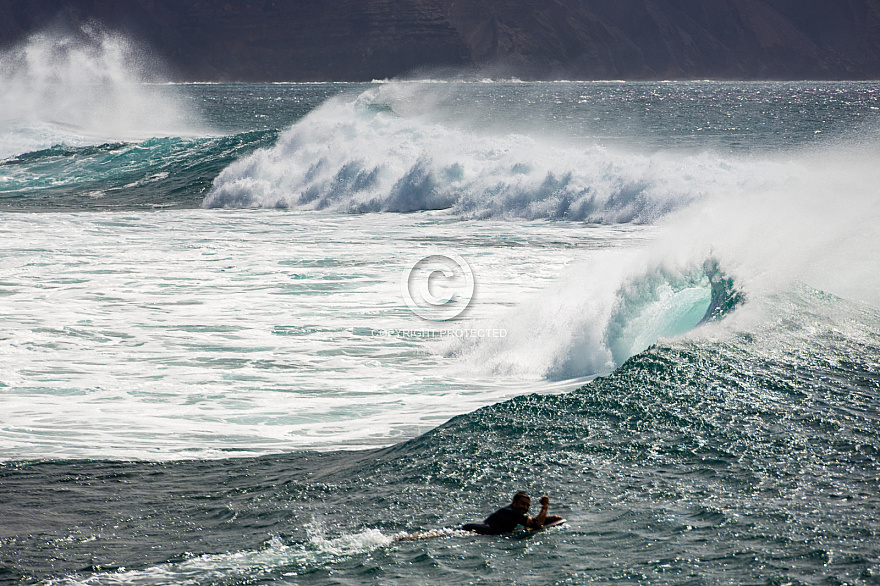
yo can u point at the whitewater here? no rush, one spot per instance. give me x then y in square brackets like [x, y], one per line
[254, 332]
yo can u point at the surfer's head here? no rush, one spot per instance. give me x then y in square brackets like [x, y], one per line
[521, 502]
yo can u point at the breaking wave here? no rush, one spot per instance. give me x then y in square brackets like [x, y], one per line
[602, 315]
[388, 151]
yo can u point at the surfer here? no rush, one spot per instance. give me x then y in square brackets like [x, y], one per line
[505, 520]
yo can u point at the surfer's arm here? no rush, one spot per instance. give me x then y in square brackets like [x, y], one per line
[538, 522]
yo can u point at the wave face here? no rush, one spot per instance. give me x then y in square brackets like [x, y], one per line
[86, 122]
[171, 172]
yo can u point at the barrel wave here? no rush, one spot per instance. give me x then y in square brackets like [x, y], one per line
[601, 315]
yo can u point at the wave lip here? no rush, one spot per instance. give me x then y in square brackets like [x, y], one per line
[665, 304]
[363, 156]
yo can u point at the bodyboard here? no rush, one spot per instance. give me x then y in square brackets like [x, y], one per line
[528, 532]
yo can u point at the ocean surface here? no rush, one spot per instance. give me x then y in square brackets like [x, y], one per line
[255, 333]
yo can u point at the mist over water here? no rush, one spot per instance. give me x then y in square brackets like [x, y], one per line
[86, 87]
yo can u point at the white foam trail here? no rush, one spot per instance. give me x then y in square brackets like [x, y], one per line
[274, 560]
[85, 88]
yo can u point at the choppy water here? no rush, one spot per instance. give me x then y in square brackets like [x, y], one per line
[673, 329]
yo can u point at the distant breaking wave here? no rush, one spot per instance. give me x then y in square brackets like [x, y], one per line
[362, 155]
[85, 87]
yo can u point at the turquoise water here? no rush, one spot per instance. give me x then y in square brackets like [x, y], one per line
[211, 371]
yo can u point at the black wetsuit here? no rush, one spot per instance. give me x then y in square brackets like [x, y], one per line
[501, 521]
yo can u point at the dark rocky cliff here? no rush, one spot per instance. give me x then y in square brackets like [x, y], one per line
[575, 39]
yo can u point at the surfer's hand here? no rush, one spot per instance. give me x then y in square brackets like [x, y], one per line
[545, 501]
